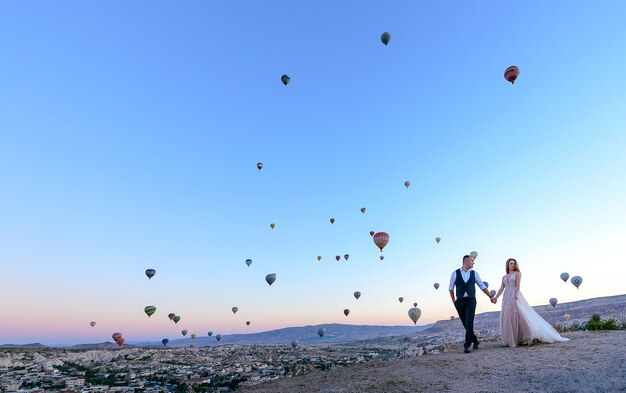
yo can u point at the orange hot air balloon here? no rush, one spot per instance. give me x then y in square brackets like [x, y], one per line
[511, 74]
[381, 239]
[332, 220]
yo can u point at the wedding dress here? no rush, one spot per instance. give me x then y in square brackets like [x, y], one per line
[519, 322]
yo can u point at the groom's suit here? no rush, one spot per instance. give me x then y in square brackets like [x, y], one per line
[465, 303]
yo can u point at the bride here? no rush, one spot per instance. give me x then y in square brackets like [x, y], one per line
[520, 323]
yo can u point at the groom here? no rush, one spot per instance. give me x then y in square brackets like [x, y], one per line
[465, 303]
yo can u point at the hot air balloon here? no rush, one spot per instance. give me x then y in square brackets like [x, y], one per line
[363, 210]
[576, 280]
[436, 285]
[248, 262]
[285, 79]
[235, 309]
[165, 341]
[321, 331]
[415, 314]
[437, 239]
[184, 332]
[319, 257]
[218, 337]
[272, 225]
[149, 310]
[176, 319]
[346, 257]
[120, 341]
[346, 312]
[511, 74]
[407, 184]
[385, 38]
[553, 302]
[332, 220]
[270, 278]
[474, 254]
[294, 343]
[247, 323]
[564, 276]
[210, 334]
[566, 317]
[486, 284]
[259, 165]
[372, 233]
[92, 323]
[115, 336]
[381, 239]
[337, 258]
[193, 336]
[400, 299]
[171, 315]
[452, 317]
[357, 295]
[150, 273]
[492, 292]
[382, 257]
[414, 304]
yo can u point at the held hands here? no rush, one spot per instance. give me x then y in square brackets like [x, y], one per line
[493, 299]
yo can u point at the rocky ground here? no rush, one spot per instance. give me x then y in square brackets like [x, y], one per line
[589, 362]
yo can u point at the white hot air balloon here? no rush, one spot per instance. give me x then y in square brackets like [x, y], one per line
[474, 254]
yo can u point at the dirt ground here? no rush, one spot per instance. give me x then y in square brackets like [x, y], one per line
[589, 362]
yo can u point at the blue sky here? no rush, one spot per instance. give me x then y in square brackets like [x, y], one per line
[130, 133]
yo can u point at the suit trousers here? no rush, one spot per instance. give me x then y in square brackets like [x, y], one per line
[466, 307]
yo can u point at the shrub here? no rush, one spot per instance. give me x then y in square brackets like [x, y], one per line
[597, 323]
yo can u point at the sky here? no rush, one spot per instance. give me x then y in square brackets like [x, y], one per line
[130, 133]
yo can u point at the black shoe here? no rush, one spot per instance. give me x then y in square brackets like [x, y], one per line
[476, 344]
[466, 349]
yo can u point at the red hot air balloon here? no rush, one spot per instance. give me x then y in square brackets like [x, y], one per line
[332, 220]
[120, 341]
[381, 239]
[116, 336]
[511, 74]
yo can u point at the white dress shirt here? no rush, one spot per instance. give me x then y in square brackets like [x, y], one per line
[466, 275]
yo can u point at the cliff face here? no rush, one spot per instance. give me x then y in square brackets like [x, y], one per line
[607, 307]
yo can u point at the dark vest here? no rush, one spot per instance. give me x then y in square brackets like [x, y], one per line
[462, 286]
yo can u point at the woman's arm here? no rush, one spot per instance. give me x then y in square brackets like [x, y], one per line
[501, 289]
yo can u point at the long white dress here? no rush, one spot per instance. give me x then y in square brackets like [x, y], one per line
[519, 322]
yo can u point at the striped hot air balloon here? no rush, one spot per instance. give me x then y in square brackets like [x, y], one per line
[149, 310]
[381, 239]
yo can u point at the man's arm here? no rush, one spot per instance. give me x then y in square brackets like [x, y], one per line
[451, 286]
[482, 285]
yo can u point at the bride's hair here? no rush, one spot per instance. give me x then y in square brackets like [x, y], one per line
[506, 266]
